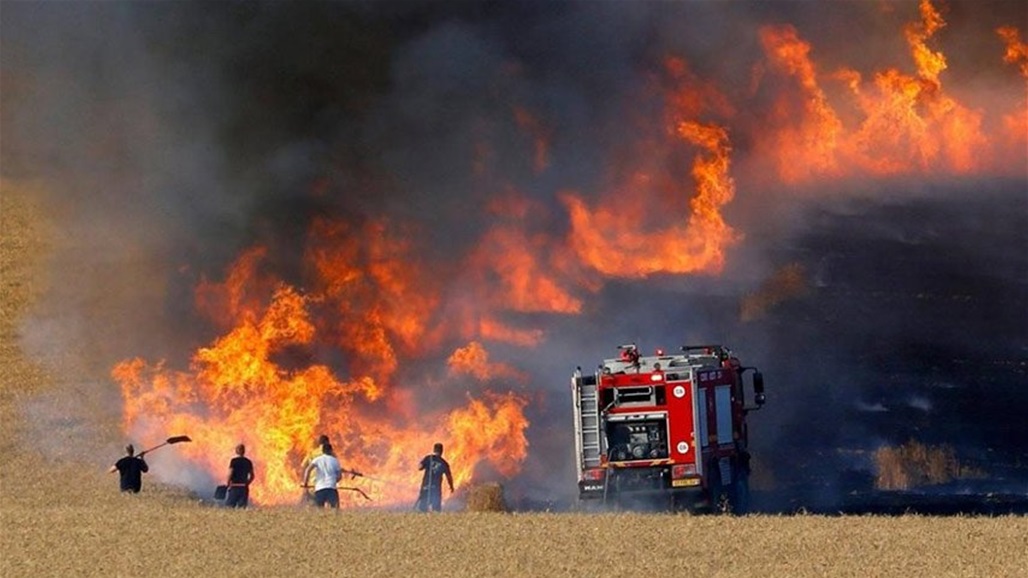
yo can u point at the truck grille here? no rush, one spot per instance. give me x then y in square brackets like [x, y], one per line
[637, 440]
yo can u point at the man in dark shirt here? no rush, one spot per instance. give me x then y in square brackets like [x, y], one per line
[431, 495]
[240, 474]
[131, 467]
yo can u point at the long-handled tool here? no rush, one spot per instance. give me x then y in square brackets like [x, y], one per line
[347, 489]
[356, 474]
[169, 441]
[358, 490]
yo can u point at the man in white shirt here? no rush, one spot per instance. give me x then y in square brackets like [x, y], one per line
[327, 473]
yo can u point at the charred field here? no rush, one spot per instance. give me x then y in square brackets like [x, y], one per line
[913, 334]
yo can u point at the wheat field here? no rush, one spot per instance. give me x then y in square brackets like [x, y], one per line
[63, 516]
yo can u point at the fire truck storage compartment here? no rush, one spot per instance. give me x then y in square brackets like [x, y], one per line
[633, 396]
[638, 439]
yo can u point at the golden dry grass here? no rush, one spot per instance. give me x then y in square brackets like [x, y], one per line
[61, 517]
[914, 464]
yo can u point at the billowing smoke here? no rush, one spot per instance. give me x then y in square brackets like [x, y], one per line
[879, 282]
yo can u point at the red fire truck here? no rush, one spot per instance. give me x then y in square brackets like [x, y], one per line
[669, 427]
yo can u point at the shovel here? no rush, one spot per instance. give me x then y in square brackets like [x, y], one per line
[169, 441]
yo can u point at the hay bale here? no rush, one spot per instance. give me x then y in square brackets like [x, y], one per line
[486, 497]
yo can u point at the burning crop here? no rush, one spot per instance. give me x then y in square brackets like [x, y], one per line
[241, 387]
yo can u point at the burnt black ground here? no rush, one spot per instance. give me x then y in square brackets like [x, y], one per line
[916, 328]
[913, 326]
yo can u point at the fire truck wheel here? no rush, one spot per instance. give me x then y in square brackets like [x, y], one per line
[589, 506]
[739, 497]
[723, 503]
[718, 501]
[678, 503]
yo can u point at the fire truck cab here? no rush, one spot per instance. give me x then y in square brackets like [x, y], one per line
[671, 427]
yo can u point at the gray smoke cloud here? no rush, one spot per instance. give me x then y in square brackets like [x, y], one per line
[171, 136]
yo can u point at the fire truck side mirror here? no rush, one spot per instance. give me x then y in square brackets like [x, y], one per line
[758, 388]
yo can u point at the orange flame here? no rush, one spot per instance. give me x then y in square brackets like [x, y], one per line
[624, 236]
[243, 290]
[815, 141]
[379, 303]
[914, 123]
[484, 431]
[525, 284]
[1016, 49]
[909, 124]
[256, 384]
[516, 269]
[1016, 124]
[473, 360]
[929, 63]
[495, 330]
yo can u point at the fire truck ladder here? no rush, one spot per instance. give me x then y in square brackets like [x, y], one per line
[589, 422]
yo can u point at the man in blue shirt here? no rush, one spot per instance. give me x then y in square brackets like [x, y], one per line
[435, 467]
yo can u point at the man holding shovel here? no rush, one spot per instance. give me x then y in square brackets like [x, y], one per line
[131, 467]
